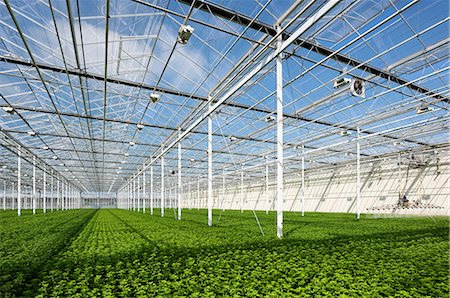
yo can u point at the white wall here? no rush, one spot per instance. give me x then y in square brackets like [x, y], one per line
[336, 192]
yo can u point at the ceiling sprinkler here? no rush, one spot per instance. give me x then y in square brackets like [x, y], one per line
[154, 97]
[184, 33]
[140, 126]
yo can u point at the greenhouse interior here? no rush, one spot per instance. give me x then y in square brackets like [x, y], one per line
[212, 148]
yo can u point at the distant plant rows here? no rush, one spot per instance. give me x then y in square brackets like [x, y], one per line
[119, 253]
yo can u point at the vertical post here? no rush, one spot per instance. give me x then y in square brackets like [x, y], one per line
[210, 177]
[138, 193]
[399, 176]
[280, 186]
[223, 190]
[44, 195]
[133, 193]
[162, 186]
[51, 192]
[358, 173]
[303, 180]
[19, 176]
[242, 192]
[34, 185]
[151, 189]
[267, 189]
[179, 178]
[190, 195]
[57, 194]
[198, 194]
[144, 195]
[4, 195]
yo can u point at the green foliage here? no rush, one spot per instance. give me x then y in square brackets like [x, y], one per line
[125, 254]
[29, 242]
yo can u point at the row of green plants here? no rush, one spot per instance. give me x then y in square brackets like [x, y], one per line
[126, 254]
[29, 242]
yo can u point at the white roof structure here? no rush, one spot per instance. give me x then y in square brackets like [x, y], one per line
[80, 74]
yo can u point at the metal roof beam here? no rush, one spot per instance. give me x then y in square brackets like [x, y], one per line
[245, 21]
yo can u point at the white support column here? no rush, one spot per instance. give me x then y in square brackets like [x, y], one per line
[58, 202]
[210, 177]
[19, 177]
[190, 195]
[180, 189]
[267, 190]
[399, 178]
[133, 194]
[4, 195]
[242, 192]
[44, 194]
[303, 180]
[358, 173]
[151, 190]
[162, 186]
[144, 195]
[51, 192]
[34, 185]
[280, 186]
[138, 193]
[128, 196]
[198, 194]
[223, 190]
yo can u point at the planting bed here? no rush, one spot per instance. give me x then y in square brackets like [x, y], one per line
[118, 253]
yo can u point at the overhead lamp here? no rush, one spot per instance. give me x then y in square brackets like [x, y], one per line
[140, 126]
[345, 133]
[61, 164]
[127, 154]
[348, 153]
[341, 82]
[31, 133]
[45, 147]
[232, 139]
[4, 167]
[122, 161]
[397, 144]
[269, 119]
[120, 168]
[154, 97]
[132, 143]
[25, 175]
[358, 88]
[191, 159]
[55, 157]
[423, 110]
[184, 33]
[9, 110]
[118, 172]
[67, 169]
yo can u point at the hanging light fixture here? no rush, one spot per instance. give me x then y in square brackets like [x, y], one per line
[184, 33]
[9, 110]
[154, 97]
